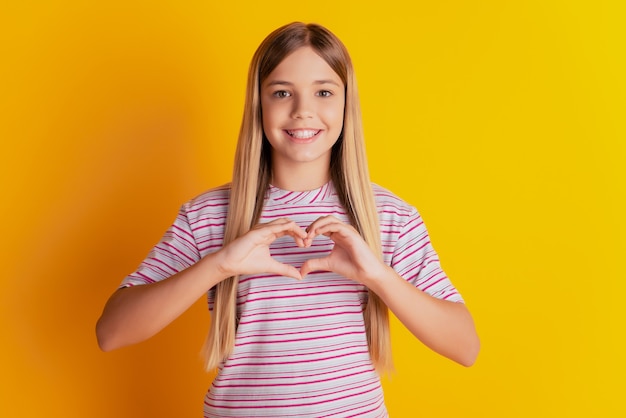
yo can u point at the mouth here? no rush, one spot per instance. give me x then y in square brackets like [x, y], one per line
[302, 133]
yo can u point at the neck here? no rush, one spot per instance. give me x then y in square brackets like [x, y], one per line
[299, 177]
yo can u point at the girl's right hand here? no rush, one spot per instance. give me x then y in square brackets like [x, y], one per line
[250, 253]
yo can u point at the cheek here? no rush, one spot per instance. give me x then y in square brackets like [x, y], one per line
[266, 118]
[335, 116]
[271, 115]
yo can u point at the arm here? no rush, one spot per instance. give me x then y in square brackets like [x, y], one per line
[445, 327]
[136, 313]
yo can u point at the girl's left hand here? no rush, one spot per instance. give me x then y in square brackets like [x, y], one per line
[444, 326]
[350, 257]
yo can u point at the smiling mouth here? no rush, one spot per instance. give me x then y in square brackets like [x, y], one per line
[303, 133]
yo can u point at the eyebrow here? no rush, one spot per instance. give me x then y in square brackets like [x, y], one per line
[287, 83]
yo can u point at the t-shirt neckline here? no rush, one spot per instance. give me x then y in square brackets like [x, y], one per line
[306, 197]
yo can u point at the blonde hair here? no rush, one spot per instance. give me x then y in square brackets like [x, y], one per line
[251, 178]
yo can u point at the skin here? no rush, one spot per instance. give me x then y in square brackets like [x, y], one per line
[445, 327]
[302, 93]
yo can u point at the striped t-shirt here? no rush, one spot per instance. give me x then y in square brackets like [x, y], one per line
[300, 348]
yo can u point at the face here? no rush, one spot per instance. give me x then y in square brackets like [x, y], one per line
[302, 102]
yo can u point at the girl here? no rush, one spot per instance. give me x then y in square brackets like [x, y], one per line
[301, 255]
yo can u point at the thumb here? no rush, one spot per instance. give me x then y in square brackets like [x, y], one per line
[286, 270]
[314, 264]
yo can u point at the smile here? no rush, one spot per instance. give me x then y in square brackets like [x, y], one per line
[303, 133]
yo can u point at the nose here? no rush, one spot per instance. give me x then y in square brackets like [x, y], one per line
[302, 108]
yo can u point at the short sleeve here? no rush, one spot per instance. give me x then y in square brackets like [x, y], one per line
[176, 251]
[415, 259]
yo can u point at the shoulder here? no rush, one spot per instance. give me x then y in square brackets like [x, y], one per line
[214, 200]
[390, 205]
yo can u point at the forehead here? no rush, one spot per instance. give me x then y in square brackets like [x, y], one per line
[304, 66]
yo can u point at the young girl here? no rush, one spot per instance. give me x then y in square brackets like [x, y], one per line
[301, 255]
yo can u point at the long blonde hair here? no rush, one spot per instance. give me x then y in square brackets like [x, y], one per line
[252, 173]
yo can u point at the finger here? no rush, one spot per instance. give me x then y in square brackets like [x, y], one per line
[285, 270]
[322, 220]
[281, 220]
[275, 225]
[313, 229]
[278, 221]
[337, 232]
[315, 264]
[285, 225]
[292, 229]
[270, 231]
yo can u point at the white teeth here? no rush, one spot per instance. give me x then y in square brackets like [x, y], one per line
[303, 133]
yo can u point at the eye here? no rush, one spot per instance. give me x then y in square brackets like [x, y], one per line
[281, 94]
[324, 93]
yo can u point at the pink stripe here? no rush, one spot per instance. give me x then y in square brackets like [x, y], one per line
[300, 395]
[205, 226]
[377, 404]
[270, 313]
[449, 295]
[322, 190]
[391, 212]
[323, 337]
[209, 247]
[407, 255]
[413, 228]
[253, 402]
[299, 329]
[223, 203]
[341, 410]
[306, 350]
[298, 307]
[183, 231]
[284, 196]
[299, 296]
[291, 383]
[144, 277]
[173, 250]
[191, 244]
[434, 283]
[282, 288]
[328, 390]
[295, 198]
[362, 349]
[291, 404]
[236, 373]
[297, 318]
[295, 211]
[157, 268]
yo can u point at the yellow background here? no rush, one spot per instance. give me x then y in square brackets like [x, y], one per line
[502, 121]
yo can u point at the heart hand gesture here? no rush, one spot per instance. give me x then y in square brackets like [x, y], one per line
[350, 257]
[250, 253]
